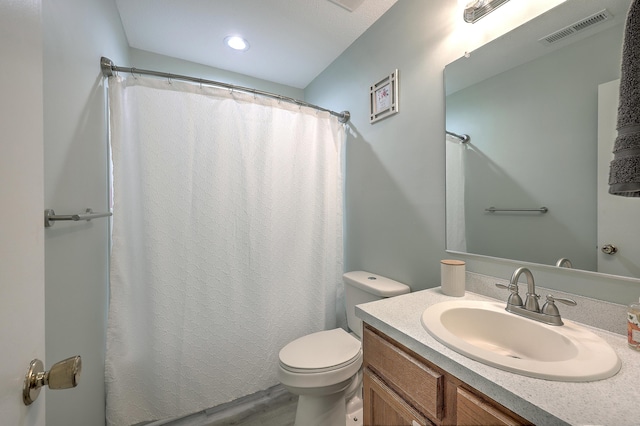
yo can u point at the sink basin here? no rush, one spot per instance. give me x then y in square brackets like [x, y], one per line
[484, 331]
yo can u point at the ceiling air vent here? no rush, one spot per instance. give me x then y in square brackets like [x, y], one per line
[583, 24]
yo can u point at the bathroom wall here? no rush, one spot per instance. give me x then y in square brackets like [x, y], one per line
[395, 177]
[395, 218]
[76, 34]
[153, 61]
[394, 181]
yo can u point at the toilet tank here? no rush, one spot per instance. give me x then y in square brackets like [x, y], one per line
[362, 287]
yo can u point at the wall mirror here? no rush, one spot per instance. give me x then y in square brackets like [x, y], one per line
[529, 185]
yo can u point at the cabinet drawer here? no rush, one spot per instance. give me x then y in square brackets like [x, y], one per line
[383, 407]
[409, 377]
[473, 410]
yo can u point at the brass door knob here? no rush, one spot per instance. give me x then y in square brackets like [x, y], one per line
[62, 375]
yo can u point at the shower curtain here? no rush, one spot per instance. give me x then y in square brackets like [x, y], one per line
[226, 243]
[455, 178]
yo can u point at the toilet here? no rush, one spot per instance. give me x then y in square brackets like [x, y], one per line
[325, 368]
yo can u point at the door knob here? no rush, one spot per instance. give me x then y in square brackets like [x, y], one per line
[609, 249]
[62, 375]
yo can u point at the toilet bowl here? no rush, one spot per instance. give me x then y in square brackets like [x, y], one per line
[325, 368]
[320, 368]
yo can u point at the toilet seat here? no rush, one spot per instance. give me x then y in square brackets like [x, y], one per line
[325, 369]
[326, 359]
[320, 352]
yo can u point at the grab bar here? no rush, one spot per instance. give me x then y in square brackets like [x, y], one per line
[461, 138]
[50, 216]
[494, 209]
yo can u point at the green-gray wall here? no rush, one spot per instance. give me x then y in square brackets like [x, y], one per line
[153, 61]
[395, 168]
[395, 173]
[76, 34]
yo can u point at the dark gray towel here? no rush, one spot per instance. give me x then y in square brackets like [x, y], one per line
[624, 173]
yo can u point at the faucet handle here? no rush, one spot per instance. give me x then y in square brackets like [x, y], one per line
[550, 307]
[569, 302]
[513, 288]
[514, 297]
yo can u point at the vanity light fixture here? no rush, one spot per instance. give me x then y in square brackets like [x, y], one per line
[236, 43]
[477, 9]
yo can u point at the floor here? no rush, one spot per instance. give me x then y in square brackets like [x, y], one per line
[280, 411]
[272, 407]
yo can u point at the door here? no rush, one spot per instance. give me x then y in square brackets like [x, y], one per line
[21, 207]
[617, 216]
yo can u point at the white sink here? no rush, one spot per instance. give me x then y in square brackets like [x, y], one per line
[484, 331]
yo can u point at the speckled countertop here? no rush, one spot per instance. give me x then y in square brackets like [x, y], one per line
[613, 401]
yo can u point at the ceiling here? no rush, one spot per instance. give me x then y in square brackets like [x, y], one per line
[524, 44]
[291, 41]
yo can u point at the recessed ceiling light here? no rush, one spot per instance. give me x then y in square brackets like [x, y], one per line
[236, 43]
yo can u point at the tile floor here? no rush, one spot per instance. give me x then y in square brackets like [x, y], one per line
[272, 407]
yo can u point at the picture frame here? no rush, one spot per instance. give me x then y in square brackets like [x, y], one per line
[383, 98]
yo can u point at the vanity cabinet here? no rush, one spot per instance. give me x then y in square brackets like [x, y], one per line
[402, 388]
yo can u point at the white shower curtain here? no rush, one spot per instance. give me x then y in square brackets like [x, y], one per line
[455, 177]
[227, 243]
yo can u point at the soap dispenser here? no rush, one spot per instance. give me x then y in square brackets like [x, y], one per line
[633, 325]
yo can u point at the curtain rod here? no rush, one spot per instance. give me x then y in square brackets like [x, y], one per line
[461, 138]
[108, 68]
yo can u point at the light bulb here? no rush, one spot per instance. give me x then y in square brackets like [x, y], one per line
[236, 43]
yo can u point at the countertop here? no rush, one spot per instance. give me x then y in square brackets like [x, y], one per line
[613, 401]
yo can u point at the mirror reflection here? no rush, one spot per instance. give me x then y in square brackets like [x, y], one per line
[531, 183]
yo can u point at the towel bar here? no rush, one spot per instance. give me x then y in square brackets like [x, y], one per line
[494, 209]
[50, 216]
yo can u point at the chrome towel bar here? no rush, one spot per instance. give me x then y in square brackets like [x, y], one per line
[494, 209]
[50, 216]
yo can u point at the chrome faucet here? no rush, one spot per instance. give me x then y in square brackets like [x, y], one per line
[531, 301]
[549, 313]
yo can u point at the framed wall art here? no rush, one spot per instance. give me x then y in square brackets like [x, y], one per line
[383, 98]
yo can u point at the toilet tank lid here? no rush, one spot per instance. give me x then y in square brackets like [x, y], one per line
[375, 284]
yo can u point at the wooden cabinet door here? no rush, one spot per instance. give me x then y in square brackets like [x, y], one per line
[417, 383]
[402, 388]
[473, 410]
[384, 407]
